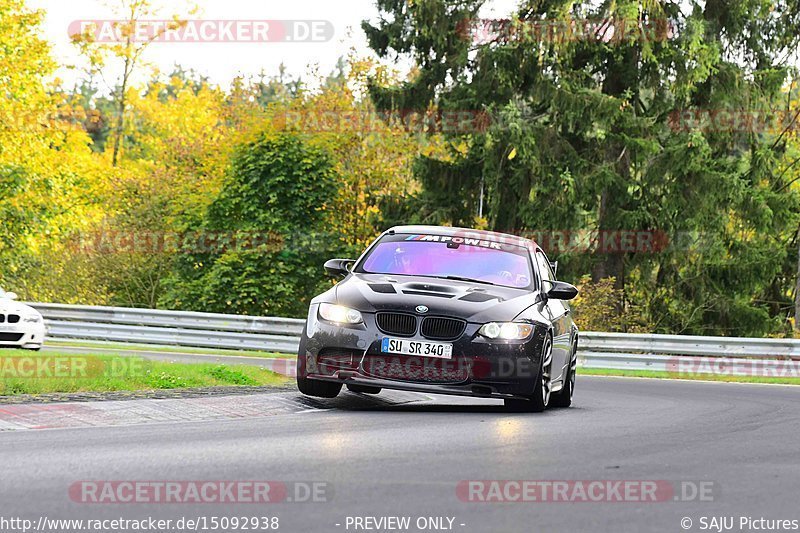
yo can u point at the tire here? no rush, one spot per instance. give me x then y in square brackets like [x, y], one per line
[563, 398]
[540, 398]
[321, 389]
[364, 389]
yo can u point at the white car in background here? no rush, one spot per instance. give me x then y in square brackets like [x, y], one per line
[21, 326]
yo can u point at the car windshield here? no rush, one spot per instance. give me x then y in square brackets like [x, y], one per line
[450, 257]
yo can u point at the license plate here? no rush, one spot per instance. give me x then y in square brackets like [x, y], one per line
[440, 350]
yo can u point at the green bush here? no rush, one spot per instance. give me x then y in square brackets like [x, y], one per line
[279, 189]
[230, 376]
[601, 307]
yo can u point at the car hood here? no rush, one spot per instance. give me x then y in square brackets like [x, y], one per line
[474, 302]
[8, 306]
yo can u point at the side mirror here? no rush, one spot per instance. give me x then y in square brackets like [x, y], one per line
[11, 295]
[338, 268]
[560, 290]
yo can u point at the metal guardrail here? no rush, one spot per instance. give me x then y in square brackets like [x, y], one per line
[691, 345]
[208, 330]
[688, 354]
[174, 328]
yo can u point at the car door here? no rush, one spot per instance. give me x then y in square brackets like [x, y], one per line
[558, 312]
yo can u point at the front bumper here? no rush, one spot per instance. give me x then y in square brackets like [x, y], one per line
[22, 335]
[479, 367]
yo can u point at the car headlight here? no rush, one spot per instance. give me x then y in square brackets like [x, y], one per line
[340, 314]
[33, 319]
[507, 331]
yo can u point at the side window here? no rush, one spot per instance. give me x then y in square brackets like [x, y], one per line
[544, 267]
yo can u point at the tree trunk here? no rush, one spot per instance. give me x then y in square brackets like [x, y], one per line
[609, 263]
[121, 110]
[118, 132]
[623, 75]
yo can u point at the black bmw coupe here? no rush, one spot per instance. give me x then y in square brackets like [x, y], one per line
[447, 311]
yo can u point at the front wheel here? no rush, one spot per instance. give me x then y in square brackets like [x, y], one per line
[322, 389]
[563, 398]
[541, 391]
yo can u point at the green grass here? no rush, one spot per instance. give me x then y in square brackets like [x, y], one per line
[689, 377]
[52, 371]
[124, 346]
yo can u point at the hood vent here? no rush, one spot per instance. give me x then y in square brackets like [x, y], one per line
[479, 297]
[383, 288]
[425, 293]
[429, 287]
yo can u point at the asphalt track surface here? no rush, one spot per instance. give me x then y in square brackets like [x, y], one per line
[400, 454]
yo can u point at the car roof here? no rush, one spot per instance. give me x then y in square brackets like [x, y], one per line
[449, 231]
